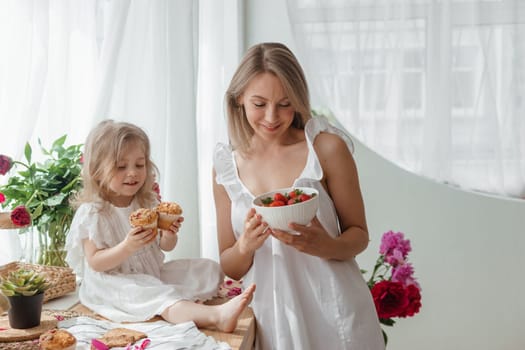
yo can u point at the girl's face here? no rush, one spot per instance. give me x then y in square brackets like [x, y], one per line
[268, 109]
[130, 175]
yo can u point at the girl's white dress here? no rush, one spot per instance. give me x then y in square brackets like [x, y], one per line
[303, 302]
[143, 285]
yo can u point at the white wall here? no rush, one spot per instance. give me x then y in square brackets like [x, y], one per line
[467, 248]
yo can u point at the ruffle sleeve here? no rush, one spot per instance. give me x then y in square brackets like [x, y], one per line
[226, 170]
[313, 170]
[87, 223]
[321, 124]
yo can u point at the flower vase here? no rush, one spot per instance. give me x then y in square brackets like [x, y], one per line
[29, 245]
[53, 256]
[52, 251]
[10, 250]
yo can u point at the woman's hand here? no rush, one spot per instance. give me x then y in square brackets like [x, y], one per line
[312, 239]
[255, 233]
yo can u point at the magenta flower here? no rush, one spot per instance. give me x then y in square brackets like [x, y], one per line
[2, 197]
[395, 291]
[392, 241]
[395, 257]
[5, 164]
[404, 274]
[156, 189]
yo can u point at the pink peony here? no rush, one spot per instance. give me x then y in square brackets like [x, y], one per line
[395, 257]
[404, 274]
[394, 243]
[2, 197]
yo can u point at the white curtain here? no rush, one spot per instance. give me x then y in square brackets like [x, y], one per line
[65, 65]
[146, 76]
[220, 47]
[437, 87]
[47, 60]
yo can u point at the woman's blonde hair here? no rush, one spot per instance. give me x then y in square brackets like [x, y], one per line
[102, 151]
[274, 58]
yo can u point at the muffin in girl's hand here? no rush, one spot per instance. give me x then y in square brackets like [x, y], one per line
[168, 213]
[147, 218]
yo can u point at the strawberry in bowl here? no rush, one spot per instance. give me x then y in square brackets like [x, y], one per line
[283, 206]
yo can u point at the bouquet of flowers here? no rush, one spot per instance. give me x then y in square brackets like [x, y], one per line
[37, 195]
[395, 291]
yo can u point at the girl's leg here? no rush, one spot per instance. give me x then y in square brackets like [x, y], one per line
[224, 316]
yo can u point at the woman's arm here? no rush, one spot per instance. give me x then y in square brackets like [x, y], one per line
[341, 182]
[236, 256]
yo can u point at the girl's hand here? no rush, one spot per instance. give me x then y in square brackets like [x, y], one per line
[137, 238]
[169, 238]
[312, 239]
[175, 226]
[255, 233]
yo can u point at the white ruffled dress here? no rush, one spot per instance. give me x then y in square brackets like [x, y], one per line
[303, 302]
[142, 286]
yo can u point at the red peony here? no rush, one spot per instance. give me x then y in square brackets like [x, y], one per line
[414, 301]
[20, 216]
[390, 299]
[5, 164]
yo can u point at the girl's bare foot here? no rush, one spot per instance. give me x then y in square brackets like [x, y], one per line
[230, 311]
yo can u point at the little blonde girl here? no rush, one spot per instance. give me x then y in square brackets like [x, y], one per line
[124, 276]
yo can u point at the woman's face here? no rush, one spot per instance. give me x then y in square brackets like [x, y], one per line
[268, 109]
[130, 175]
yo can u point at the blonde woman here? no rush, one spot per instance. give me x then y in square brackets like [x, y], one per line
[311, 294]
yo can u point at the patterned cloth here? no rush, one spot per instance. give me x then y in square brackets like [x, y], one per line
[162, 335]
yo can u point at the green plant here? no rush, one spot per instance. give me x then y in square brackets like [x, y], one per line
[23, 282]
[44, 189]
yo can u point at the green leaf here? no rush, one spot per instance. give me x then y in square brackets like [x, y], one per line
[387, 321]
[55, 200]
[59, 143]
[27, 152]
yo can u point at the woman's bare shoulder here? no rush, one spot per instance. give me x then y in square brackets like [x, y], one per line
[330, 145]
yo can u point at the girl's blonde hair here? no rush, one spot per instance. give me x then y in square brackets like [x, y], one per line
[274, 58]
[102, 151]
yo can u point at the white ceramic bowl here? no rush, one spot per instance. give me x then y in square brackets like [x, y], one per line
[279, 217]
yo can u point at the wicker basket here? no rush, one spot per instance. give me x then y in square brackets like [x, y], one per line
[62, 279]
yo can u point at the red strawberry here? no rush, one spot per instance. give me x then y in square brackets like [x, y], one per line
[279, 197]
[304, 197]
[277, 203]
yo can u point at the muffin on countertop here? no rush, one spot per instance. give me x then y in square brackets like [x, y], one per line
[57, 339]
